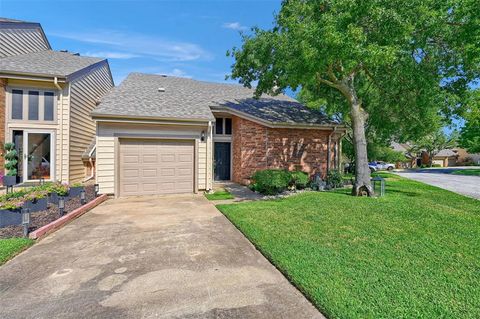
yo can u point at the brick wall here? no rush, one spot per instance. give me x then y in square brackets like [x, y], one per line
[3, 101]
[258, 147]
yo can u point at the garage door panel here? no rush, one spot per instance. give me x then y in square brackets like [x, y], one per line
[156, 167]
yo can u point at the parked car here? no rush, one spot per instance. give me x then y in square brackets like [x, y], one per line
[380, 166]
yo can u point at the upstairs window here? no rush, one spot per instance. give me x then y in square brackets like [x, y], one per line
[32, 105]
[223, 126]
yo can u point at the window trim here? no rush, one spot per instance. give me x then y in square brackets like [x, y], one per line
[41, 104]
[224, 126]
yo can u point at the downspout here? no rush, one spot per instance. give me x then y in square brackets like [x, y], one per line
[90, 160]
[329, 147]
[209, 140]
[55, 82]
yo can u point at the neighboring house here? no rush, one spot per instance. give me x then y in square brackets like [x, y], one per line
[46, 98]
[405, 149]
[445, 158]
[160, 134]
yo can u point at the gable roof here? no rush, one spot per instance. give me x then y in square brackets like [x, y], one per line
[20, 37]
[186, 99]
[47, 63]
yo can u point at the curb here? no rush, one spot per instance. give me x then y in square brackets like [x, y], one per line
[58, 223]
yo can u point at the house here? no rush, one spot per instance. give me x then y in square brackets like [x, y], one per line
[160, 134]
[46, 97]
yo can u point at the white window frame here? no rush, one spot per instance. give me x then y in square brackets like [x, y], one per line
[41, 105]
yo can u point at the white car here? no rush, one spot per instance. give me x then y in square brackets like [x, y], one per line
[381, 166]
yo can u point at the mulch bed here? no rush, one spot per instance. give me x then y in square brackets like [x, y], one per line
[44, 217]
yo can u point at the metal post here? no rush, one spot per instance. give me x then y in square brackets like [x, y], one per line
[25, 221]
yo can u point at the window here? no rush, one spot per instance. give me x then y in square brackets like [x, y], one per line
[33, 105]
[17, 104]
[48, 106]
[223, 126]
[39, 105]
[228, 126]
[219, 126]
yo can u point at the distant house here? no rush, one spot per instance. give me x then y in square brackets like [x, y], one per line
[46, 98]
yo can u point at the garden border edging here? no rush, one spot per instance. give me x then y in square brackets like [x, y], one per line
[58, 223]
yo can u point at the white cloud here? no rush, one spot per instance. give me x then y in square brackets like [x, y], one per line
[177, 73]
[140, 45]
[235, 26]
[111, 55]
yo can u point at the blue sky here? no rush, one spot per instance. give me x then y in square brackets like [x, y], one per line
[182, 38]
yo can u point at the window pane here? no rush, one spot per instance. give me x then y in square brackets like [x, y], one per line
[17, 104]
[219, 126]
[228, 126]
[48, 106]
[33, 105]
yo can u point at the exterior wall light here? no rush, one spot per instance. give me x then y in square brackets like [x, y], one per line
[97, 189]
[379, 182]
[202, 136]
[25, 221]
[83, 201]
[61, 205]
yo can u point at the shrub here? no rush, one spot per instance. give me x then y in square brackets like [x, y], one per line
[270, 181]
[10, 159]
[299, 179]
[436, 165]
[334, 179]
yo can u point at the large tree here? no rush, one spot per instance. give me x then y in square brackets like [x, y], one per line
[396, 64]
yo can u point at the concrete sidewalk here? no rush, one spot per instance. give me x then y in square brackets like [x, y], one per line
[150, 257]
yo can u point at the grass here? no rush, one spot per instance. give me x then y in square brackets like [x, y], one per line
[471, 172]
[219, 194]
[414, 253]
[12, 246]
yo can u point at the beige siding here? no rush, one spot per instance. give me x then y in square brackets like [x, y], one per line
[17, 41]
[108, 133]
[84, 93]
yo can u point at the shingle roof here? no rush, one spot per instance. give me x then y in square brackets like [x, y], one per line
[138, 96]
[446, 153]
[49, 62]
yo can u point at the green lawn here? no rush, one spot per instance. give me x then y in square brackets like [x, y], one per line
[11, 246]
[414, 253]
[219, 194]
[474, 172]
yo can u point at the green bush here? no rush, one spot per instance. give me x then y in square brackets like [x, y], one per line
[299, 179]
[334, 179]
[270, 181]
[10, 159]
[436, 165]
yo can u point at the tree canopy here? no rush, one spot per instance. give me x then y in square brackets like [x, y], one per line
[396, 65]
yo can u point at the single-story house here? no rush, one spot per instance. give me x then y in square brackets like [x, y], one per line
[159, 134]
[46, 97]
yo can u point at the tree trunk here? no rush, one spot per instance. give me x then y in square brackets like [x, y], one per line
[363, 185]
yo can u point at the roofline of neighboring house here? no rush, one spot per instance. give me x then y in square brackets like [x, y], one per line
[271, 124]
[23, 24]
[50, 77]
[148, 119]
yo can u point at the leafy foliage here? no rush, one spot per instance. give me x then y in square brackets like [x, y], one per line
[334, 179]
[270, 181]
[299, 179]
[10, 159]
[470, 133]
[435, 142]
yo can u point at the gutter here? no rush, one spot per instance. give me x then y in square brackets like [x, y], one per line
[329, 147]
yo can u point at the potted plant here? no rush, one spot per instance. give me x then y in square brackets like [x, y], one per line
[11, 212]
[36, 201]
[56, 190]
[10, 164]
[75, 190]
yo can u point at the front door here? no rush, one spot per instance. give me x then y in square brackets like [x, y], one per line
[222, 161]
[35, 155]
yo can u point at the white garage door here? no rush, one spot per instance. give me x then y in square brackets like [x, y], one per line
[150, 167]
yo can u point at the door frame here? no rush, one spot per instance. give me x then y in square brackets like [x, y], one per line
[26, 132]
[231, 159]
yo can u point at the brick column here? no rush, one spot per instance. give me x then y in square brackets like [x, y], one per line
[3, 102]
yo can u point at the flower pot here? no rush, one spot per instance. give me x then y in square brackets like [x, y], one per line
[37, 205]
[75, 191]
[53, 198]
[10, 217]
[9, 180]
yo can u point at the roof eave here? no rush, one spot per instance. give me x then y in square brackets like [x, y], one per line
[30, 75]
[119, 117]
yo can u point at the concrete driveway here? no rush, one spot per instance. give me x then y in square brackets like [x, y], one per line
[442, 177]
[152, 257]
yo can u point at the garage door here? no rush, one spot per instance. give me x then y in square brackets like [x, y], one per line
[150, 167]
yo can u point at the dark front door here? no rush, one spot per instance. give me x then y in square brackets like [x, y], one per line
[222, 161]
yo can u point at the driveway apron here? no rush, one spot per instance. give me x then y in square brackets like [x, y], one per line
[148, 257]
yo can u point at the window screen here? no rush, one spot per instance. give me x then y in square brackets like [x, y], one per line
[219, 126]
[33, 105]
[17, 104]
[48, 106]
[228, 126]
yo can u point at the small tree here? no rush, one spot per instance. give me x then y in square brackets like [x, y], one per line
[10, 159]
[434, 143]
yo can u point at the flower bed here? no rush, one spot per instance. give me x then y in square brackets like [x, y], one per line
[41, 218]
